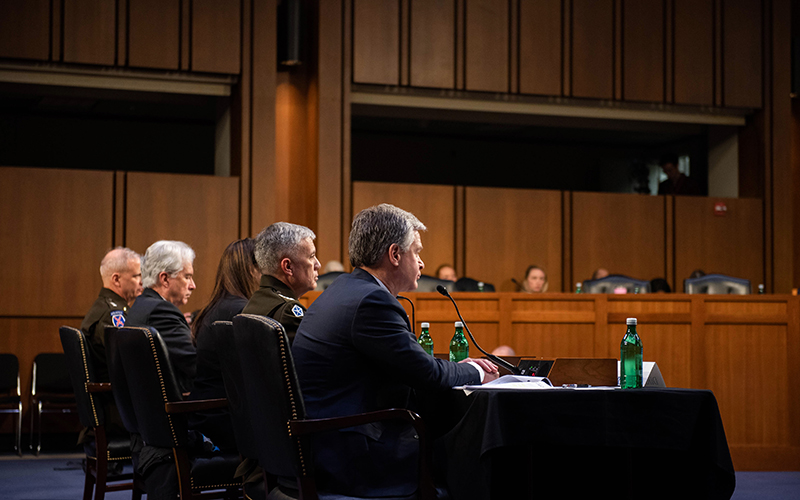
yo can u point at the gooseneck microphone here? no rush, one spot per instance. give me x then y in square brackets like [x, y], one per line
[500, 361]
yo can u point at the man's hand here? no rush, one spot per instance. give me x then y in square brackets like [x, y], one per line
[490, 371]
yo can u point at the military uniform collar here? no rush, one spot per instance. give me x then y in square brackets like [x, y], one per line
[279, 286]
[113, 299]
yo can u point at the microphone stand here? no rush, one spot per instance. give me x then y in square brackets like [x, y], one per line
[500, 361]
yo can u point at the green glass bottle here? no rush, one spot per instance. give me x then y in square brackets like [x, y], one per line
[630, 358]
[425, 339]
[761, 290]
[459, 347]
[579, 287]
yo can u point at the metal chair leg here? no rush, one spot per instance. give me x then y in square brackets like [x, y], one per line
[18, 446]
[39, 428]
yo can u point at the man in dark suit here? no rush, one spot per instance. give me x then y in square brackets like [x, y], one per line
[354, 352]
[168, 278]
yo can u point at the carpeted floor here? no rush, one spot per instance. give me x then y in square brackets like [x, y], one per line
[59, 477]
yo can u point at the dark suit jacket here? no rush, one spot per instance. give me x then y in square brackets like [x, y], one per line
[208, 383]
[150, 309]
[354, 352]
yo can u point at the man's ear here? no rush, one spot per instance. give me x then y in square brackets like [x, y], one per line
[286, 266]
[394, 254]
[163, 279]
[115, 278]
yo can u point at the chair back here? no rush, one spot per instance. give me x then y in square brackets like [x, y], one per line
[151, 383]
[273, 394]
[470, 285]
[717, 284]
[9, 375]
[81, 372]
[429, 284]
[50, 374]
[610, 283]
[222, 338]
[326, 279]
[116, 373]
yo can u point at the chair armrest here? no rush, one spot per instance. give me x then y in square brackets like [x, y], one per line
[311, 426]
[98, 386]
[174, 407]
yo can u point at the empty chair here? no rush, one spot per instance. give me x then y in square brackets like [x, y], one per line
[92, 398]
[614, 281]
[280, 429]
[10, 395]
[717, 284]
[324, 280]
[470, 285]
[51, 392]
[159, 413]
[429, 284]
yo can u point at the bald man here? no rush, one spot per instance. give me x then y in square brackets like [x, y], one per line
[121, 272]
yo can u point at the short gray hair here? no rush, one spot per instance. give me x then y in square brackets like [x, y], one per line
[277, 241]
[117, 260]
[165, 257]
[377, 228]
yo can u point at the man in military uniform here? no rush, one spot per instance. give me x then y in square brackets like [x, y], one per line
[121, 272]
[286, 255]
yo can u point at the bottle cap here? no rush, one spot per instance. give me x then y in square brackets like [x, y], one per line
[459, 324]
[425, 325]
[631, 321]
[578, 284]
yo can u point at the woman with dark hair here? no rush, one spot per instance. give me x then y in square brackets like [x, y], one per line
[237, 279]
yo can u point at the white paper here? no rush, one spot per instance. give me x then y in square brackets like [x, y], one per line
[511, 382]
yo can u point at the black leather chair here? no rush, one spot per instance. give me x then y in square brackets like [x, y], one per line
[10, 395]
[429, 283]
[280, 428]
[159, 412]
[92, 397]
[609, 283]
[324, 280]
[470, 285]
[51, 392]
[717, 284]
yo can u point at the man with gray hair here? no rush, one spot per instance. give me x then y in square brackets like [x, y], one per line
[287, 257]
[355, 353]
[121, 273]
[168, 277]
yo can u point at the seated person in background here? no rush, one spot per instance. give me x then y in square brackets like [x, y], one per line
[446, 272]
[697, 273]
[354, 353]
[504, 350]
[333, 266]
[121, 272]
[237, 279]
[677, 182]
[535, 280]
[599, 273]
[659, 285]
[168, 277]
[287, 258]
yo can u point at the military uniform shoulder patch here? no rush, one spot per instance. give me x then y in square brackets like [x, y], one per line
[118, 318]
[297, 311]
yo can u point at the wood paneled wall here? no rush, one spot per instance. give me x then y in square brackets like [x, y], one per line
[188, 35]
[670, 51]
[744, 349]
[494, 234]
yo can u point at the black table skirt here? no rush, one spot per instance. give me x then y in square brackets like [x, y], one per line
[644, 443]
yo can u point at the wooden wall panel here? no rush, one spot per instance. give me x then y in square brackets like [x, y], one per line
[506, 230]
[694, 52]
[201, 211]
[433, 205]
[433, 39]
[90, 32]
[742, 53]
[487, 45]
[154, 33]
[622, 233]
[57, 226]
[216, 36]
[376, 42]
[730, 245]
[25, 29]
[540, 47]
[643, 50]
[592, 64]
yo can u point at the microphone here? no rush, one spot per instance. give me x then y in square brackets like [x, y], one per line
[500, 361]
[413, 315]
